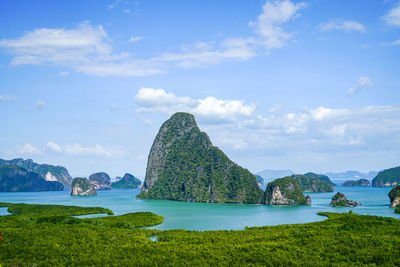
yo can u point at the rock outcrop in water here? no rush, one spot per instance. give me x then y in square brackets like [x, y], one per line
[82, 187]
[127, 182]
[16, 179]
[285, 191]
[339, 200]
[394, 196]
[308, 184]
[387, 178]
[360, 182]
[100, 181]
[184, 165]
[48, 172]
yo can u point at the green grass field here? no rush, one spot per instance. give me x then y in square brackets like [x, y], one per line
[46, 235]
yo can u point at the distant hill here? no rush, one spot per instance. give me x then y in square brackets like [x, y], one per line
[127, 182]
[351, 175]
[48, 172]
[16, 179]
[389, 177]
[274, 174]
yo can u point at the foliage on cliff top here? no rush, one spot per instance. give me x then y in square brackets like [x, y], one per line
[320, 177]
[310, 184]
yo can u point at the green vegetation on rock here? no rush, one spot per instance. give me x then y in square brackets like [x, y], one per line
[339, 200]
[320, 177]
[43, 239]
[311, 184]
[184, 165]
[389, 177]
[127, 182]
[394, 196]
[82, 187]
[16, 179]
[284, 191]
[360, 182]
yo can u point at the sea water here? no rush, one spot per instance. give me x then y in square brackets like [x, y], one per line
[210, 216]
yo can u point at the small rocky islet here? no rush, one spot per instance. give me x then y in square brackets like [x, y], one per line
[340, 200]
[82, 187]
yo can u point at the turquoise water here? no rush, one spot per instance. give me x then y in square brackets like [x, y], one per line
[205, 216]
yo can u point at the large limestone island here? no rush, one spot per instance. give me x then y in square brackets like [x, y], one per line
[184, 165]
[82, 187]
[48, 172]
[16, 179]
[389, 177]
[285, 191]
[127, 182]
[312, 184]
[339, 200]
[360, 182]
[100, 181]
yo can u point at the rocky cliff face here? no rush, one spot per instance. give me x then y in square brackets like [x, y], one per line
[100, 181]
[82, 187]
[360, 182]
[48, 172]
[184, 165]
[394, 196]
[308, 184]
[127, 182]
[284, 191]
[387, 178]
[16, 179]
[339, 200]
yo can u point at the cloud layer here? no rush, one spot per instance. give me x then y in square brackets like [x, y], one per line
[87, 49]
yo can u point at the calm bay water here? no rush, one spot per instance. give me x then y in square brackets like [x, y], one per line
[205, 216]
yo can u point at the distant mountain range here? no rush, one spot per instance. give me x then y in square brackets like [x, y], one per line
[351, 175]
[347, 175]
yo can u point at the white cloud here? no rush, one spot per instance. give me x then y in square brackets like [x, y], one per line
[87, 49]
[209, 109]
[347, 26]
[84, 49]
[54, 147]
[268, 25]
[28, 149]
[79, 150]
[393, 16]
[396, 42]
[40, 104]
[135, 39]
[7, 98]
[363, 82]
[59, 46]
[127, 11]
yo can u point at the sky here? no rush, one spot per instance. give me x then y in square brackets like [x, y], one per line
[301, 85]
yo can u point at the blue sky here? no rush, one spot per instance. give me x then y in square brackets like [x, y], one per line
[301, 85]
